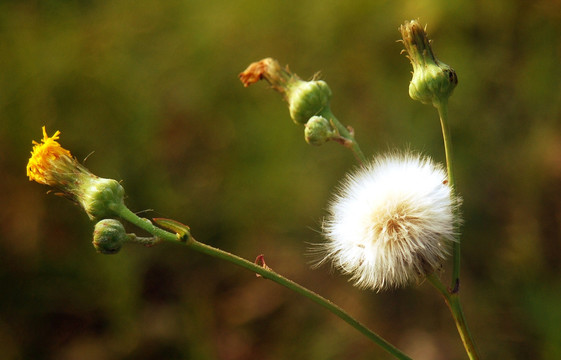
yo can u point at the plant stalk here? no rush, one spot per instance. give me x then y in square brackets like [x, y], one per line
[265, 272]
[452, 296]
[442, 107]
[453, 302]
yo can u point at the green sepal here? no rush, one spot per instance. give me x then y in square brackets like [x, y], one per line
[182, 230]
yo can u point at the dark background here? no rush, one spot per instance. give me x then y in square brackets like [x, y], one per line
[151, 88]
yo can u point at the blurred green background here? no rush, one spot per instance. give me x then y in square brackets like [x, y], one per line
[151, 88]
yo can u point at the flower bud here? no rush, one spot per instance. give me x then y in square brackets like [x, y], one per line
[318, 131]
[433, 81]
[109, 236]
[307, 98]
[99, 197]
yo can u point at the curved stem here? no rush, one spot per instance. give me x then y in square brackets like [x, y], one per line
[144, 224]
[265, 272]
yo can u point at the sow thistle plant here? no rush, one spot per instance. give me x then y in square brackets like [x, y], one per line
[393, 222]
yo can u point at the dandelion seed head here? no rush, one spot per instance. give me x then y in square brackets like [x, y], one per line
[391, 223]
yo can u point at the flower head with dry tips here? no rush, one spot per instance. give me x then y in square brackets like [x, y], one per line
[392, 222]
[305, 98]
[51, 164]
[433, 81]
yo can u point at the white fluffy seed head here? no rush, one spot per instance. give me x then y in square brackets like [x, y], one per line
[392, 222]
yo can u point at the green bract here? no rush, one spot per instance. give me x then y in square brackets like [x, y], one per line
[307, 98]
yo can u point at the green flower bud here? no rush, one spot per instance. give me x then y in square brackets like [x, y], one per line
[433, 81]
[100, 197]
[318, 131]
[109, 236]
[307, 98]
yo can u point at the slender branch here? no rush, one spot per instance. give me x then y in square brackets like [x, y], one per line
[266, 273]
[318, 299]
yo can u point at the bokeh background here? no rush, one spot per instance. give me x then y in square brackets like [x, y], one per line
[151, 88]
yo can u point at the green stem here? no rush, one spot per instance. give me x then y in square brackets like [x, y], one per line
[265, 272]
[452, 297]
[453, 301]
[442, 108]
[318, 299]
[144, 224]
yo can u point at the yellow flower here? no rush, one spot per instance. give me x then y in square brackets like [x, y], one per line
[44, 156]
[51, 164]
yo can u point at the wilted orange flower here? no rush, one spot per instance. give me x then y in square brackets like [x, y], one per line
[270, 70]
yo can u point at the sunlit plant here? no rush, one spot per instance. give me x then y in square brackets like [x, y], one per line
[393, 221]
